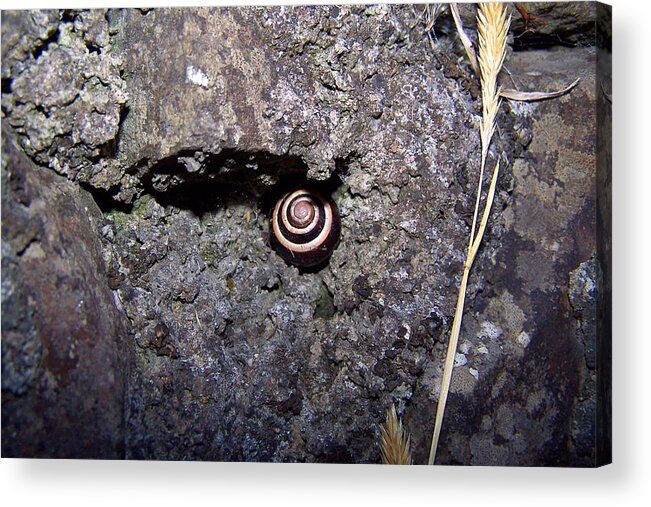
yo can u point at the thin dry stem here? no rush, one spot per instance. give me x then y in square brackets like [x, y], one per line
[532, 96]
[432, 12]
[395, 441]
[465, 40]
[493, 26]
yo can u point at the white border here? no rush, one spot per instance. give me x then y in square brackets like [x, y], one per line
[95, 483]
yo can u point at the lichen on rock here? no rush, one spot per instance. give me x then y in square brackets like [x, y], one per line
[67, 94]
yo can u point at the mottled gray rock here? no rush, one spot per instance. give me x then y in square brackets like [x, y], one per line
[64, 359]
[337, 94]
[67, 93]
[237, 356]
[530, 333]
[541, 24]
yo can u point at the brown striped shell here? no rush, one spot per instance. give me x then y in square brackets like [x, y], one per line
[305, 228]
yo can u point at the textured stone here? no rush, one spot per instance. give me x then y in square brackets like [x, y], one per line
[535, 317]
[67, 93]
[64, 359]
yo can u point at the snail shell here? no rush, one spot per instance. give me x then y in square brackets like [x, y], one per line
[305, 228]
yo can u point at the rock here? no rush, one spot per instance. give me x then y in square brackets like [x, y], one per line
[260, 368]
[535, 317]
[64, 347]
[67, 94]
[537, 25]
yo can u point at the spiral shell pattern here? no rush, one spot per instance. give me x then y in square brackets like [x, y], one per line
[305, 228]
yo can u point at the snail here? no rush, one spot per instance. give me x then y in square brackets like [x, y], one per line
[305, 228]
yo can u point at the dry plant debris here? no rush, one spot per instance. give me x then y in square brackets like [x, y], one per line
[532, 96]
[467, 43]
[493, 23]
[506, 93]
[395, 441]
[493, 26]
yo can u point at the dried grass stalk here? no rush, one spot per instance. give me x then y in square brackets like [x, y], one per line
[506, 93]
[395, 441]
[465, 40]
[493, 26]
[532, 96]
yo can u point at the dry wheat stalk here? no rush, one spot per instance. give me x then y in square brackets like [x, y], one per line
[492, 26]
[465, 40]
[395, 441]
[506, 93]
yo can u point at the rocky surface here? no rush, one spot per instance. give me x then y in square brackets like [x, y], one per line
[538, 302]
[537, 25]
[185, 125]
[65, 350]
[67, 93]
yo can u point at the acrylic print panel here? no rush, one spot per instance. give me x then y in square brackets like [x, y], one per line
[241, 234]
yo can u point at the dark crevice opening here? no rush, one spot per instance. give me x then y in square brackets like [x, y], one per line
[7, 84]
[105, 199]
[202, 182]
[529, 39]
[44, 44]
[92, 47]
[68, 15]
